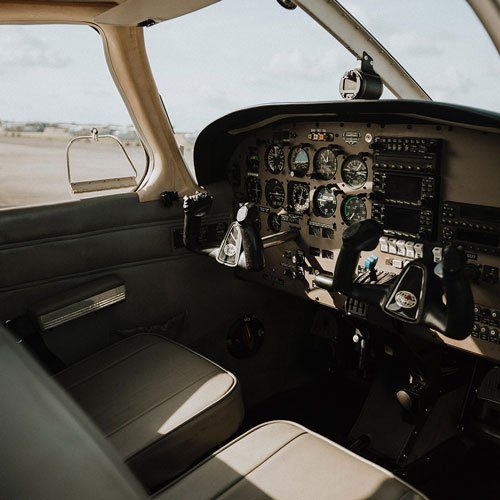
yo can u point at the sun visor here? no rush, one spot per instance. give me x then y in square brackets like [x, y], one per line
[145, 12]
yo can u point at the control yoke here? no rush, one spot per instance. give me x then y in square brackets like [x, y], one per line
[437, 296]
[242, 245]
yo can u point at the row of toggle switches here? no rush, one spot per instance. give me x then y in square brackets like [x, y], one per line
[404, 248]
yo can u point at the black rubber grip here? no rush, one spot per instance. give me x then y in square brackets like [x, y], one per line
[459, 300]
[345, 268]
[195, 208]
[361, 236]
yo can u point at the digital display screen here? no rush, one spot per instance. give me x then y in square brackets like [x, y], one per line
[487, 214]
[402, 219]
[403, 187]
[488, 239]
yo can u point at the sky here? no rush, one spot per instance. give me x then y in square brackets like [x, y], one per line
[239, 53]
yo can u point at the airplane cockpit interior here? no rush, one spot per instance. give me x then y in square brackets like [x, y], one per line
[309, 307]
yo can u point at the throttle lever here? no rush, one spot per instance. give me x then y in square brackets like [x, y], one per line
[456, 319]
[253, 249]
[362, 236]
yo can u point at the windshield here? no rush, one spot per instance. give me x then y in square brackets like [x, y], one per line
[442, 44]
[237, 54]
[241, 53]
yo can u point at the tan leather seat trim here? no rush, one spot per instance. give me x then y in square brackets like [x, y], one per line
[162, 418]
[232, 390]
[171, 396]
[76, 367]
[296, 432]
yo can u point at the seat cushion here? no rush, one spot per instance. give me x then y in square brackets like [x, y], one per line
[283, 460]
[160, 404]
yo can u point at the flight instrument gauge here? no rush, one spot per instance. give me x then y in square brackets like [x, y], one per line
[354, 172]
[254, 189]
[298, 161]
[275, 159]
[275, 193]
[325, 201]
[274, 222]
[353, 209]
[298, 197]
[253, 162]
[325, 164]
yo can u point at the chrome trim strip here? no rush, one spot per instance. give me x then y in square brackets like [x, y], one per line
[82, 308]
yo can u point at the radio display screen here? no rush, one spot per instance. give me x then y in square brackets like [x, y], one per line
[487, 239]
[403, 187]
[480, 213]
[401, 219]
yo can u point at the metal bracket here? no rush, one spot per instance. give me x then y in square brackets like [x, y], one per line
[367, 64]
[101, 184]
[147, 23]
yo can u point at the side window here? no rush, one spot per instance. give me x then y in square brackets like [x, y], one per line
[56, 89]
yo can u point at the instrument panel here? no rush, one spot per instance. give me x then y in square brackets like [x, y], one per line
[428, 184]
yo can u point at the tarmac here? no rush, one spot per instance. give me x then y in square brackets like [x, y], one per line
[33, 169]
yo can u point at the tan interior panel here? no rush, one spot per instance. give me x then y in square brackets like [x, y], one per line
[135, 12]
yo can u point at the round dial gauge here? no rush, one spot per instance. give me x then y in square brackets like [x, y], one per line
[299, 197]
[353, 209]
[354, 172]
[325, 164]
[253, 161]
[275, 193]
[299, 161]
[254, 189]
[275, 159]
[274, 222]
[325, 201]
